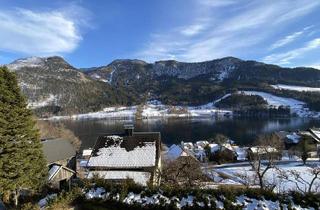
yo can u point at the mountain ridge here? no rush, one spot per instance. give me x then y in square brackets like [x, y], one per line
[132, 82]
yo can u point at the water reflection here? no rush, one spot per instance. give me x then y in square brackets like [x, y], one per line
[242, 130]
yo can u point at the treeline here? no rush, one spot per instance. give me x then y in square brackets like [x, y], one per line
[280, 111]
[252, 106]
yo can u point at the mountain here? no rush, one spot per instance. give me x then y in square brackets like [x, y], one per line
[53, 86]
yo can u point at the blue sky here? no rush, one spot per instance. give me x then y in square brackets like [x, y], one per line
[94, 32]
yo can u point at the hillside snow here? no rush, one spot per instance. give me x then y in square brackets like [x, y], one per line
[296, 88]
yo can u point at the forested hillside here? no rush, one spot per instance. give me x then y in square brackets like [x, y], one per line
[54, 87]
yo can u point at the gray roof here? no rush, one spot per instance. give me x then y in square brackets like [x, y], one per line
[57, 149]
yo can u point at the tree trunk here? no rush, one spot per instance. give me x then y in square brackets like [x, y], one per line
[16, 197]
[261, 181]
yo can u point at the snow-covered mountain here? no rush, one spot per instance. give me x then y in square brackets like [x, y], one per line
[54, 86]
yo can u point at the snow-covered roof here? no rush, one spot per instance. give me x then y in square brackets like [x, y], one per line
[124, 152]
[262, 150]
[202, 143]
[174, 152]
[316, 133]
[54, 170]
[214, 147]
[138, 177]
[188, 145]
[293, 137]
[86, 152]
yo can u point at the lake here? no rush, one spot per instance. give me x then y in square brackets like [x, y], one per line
[174, 130]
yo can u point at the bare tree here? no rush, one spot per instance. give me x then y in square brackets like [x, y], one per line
[263, 157]
[185, 170]
[303, 184]
[245, 179]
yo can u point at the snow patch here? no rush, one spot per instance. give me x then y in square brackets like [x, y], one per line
[38, 104]
[297, 107]
[26, 62]
[296, 88]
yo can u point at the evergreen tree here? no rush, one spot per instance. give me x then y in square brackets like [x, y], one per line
[22, 164]
[305, 146]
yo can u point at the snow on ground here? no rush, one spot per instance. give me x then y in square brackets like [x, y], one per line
[225, 72]
[276, 100]
[296, 88]
[153, 109]
[111, 76]
[47, 101]
[158, 199]
[296, 106]
[110, 113]
[223, 97]
[26, 62]
[245, 174]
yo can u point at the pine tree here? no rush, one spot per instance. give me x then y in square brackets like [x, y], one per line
[22, 163]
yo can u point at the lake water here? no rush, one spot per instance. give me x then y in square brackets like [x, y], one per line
[242, 130]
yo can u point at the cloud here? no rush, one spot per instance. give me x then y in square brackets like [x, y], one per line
[289, 38]
[40, 33]
[217, 3]
[287, 57]
[192, 30]
[217, 32]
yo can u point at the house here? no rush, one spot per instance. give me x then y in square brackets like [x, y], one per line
[187, 145]
[176, 152]
[130, 155]
[60, 155]
[315, 134]
[264, 152]
[60, 176]
[222, 153]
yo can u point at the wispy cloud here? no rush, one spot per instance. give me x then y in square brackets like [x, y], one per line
[287, 57]
[40, 33]
[289, 38]
[192, 30]
[215, 34]
[217, 3]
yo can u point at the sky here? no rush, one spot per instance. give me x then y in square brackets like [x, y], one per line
[91, 33]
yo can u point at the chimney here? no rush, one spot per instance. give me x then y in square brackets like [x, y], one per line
[128, 129]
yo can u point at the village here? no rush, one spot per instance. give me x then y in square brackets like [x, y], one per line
[284, 161]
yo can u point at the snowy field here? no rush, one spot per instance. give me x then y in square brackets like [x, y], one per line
[153, 109]
[296, 88]
[110, 112]
[284, 176]
[296, 106]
